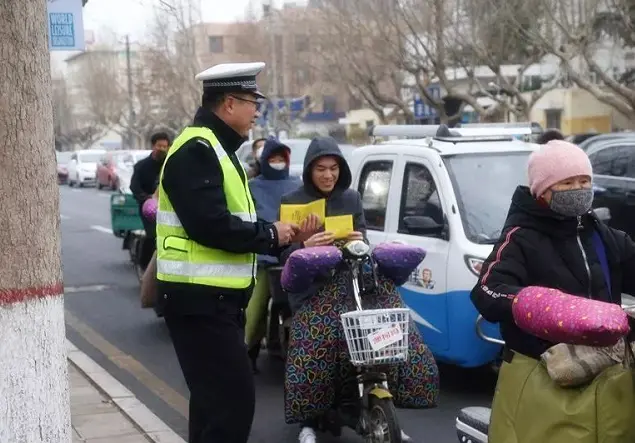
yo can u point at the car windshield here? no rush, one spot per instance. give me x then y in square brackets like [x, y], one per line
[483, 185]
[90, 157]
[63, 157]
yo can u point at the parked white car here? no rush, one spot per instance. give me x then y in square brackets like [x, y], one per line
[82, 167]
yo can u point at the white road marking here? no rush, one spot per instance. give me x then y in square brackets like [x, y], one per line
[64, 217]
[90, 288]
[101, 229]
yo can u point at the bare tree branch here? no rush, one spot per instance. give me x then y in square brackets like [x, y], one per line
[578, 40]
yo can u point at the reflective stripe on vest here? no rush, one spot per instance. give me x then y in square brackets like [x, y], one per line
[171, 219]
[180, 259]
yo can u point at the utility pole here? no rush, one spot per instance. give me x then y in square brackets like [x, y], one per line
[131, 116]
[268, 13]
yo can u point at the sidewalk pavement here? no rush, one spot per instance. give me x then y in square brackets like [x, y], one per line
[104, 411]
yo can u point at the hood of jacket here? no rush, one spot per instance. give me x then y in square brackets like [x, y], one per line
[273, 146]
[527, 212]
[323, 147]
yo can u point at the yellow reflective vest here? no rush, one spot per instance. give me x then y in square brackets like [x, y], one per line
[182, 260]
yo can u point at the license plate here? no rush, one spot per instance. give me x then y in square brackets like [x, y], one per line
[385, 337]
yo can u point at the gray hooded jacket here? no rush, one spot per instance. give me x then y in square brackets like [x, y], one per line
[341, 201]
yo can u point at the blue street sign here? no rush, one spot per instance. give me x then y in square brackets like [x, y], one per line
[422, 109]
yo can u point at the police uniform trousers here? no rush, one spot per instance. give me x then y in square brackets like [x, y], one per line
[210, 346]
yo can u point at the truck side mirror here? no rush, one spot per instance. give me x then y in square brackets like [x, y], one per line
[422, 225]
[603, 214]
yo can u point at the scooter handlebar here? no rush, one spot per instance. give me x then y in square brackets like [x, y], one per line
[481, 334]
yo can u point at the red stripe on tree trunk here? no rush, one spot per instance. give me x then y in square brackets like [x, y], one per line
[9, 296]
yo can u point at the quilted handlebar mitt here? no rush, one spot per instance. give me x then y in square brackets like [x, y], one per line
[149, 209]
[304, 265]
[397, 261]
[558, 317]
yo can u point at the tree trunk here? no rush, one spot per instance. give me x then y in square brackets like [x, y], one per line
[34, 394]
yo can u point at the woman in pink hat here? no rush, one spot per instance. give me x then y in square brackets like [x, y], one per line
[551, 238]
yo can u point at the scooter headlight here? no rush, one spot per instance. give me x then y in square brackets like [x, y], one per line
[357, 248]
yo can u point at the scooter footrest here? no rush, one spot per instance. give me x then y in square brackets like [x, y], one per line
[473, 423]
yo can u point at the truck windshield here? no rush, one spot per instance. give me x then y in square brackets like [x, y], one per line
[483, 185]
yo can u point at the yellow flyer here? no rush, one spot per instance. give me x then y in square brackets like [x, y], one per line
[341, 225]
[297, 213]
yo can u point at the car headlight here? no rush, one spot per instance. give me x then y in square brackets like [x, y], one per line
[474, 264]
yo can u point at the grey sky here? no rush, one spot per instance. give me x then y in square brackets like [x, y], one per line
[129, 16]
[111, 20]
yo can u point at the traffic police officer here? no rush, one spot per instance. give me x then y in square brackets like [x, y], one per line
[207, 240]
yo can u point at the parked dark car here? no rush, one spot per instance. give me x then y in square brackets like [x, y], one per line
[614, 181]
[601, 139]
[62, 158]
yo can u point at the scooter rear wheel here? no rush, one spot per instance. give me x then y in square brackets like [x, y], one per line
[384, 426]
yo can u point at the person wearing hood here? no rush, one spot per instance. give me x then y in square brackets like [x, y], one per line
[267, 189]
[553, 239]
[309, 391]
[326, 175]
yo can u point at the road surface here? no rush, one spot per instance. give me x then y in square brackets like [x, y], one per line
[104, 319]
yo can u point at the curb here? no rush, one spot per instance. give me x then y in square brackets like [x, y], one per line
[153, 428]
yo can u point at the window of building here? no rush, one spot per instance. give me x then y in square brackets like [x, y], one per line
[553, 118]
[329, 103]
[215, 43]
[301, 43]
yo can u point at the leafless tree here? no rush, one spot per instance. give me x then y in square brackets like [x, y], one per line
[170, 64]
[352, 47]
[387, 51]
[34, 384]
[100, 97]
[588, 39]
[492, 46]
[72, 132]
[274, 41]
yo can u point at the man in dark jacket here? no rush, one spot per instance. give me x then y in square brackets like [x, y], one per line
[143, 183]
[206, 320]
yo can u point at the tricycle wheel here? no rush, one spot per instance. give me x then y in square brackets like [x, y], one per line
[384, 427]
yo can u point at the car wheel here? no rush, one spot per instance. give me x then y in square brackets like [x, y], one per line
[79, 183]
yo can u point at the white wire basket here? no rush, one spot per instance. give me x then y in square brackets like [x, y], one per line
[377, 336]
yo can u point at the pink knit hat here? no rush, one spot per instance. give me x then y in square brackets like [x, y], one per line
[553, 162]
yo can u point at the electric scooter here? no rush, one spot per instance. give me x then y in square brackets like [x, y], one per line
[376, 338]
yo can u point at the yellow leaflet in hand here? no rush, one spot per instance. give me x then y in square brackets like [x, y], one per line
[297, 213]
[341, 225]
